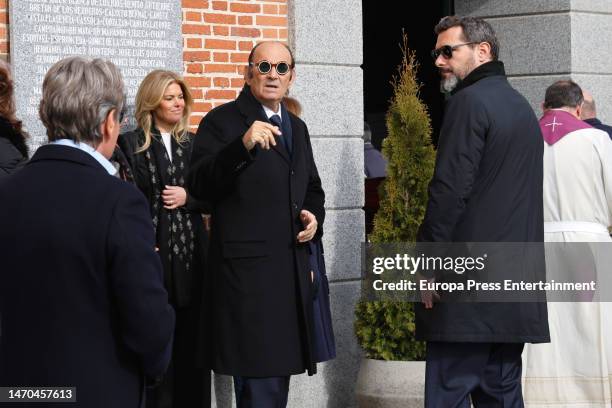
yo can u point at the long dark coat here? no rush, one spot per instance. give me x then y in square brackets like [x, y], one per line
[13, 150]
[182, 242]
[81, 291]
[324, 341]
[487, 187]
[262, 294]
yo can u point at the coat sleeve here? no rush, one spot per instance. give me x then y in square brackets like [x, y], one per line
[127, 148]
[604, 150]
[462, 142]
[192, 203]
[217, 160]
[315, 196]
[10, 158]
[129, 144]
[146, 318]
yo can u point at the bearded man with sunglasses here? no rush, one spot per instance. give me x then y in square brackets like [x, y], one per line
[487, 187]
[252, 160]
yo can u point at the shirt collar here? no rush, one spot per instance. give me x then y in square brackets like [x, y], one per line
[593, 121]
[89, 150]
[270, 112]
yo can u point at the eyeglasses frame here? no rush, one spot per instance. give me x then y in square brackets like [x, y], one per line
[257, 65]
[438, 51]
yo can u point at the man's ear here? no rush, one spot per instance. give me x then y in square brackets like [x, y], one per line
[248, 74]
[291, 76]
[484, 51]
[108, 126]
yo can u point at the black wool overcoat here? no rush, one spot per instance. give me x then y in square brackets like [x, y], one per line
[13, 150]
[487, 187]
[261, 287]
[81, 291]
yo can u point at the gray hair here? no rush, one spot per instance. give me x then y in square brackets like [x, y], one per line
[475, 30]
[77, 95]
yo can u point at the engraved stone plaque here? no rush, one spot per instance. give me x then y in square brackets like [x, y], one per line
[137, 35]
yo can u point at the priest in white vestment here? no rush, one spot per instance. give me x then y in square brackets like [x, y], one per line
[574, 370]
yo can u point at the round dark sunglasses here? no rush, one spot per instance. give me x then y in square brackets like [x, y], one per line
[266, 66]
[447, 50]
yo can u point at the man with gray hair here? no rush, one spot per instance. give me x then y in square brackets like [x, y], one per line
[487, 187]
[589, 114]
[81, 293]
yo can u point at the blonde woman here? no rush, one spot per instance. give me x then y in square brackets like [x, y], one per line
[159, 150]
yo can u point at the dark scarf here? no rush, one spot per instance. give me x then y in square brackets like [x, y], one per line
[178, 229]
[491, 68]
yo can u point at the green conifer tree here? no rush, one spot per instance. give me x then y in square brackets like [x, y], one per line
[385, 329]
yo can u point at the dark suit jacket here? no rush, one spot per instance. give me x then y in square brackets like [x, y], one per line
[261, 288]
[81, 292]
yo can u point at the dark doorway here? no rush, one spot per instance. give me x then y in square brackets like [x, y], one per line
[382, 35]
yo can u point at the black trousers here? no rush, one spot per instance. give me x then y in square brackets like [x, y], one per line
[186, 384]
[269, 392]
[487, 373]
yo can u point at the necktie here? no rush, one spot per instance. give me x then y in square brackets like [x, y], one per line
[276, 121]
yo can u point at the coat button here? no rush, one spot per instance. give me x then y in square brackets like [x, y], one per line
[292, 173]
[295, 206]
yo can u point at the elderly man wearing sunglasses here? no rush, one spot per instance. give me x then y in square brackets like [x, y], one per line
[252, 160]
[487, 187]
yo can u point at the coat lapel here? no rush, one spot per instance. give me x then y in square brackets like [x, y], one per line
[280, 148]
[249, 107]
[252, 110]
[287, 130]
[296, 137]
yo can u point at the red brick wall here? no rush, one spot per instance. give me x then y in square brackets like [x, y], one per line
[3, 30]
[218, 36]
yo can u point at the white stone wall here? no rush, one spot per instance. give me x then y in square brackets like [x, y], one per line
[326, 36]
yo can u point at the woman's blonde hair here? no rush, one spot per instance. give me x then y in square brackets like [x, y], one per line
[149, 96]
